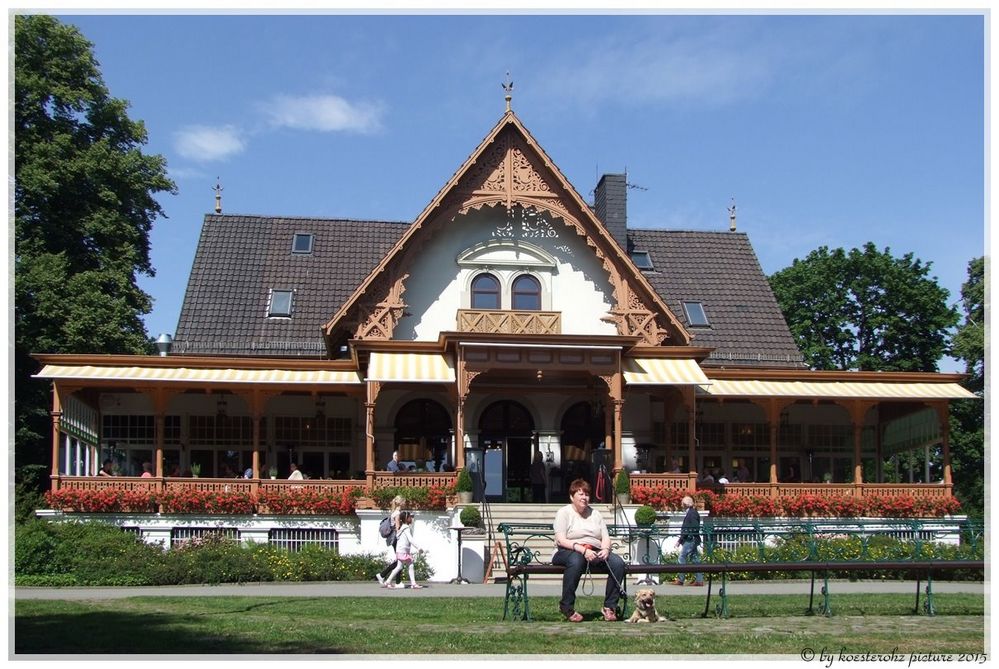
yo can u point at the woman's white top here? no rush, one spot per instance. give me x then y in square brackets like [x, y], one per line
[589, 530]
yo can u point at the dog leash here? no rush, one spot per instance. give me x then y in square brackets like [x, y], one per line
[588, 576]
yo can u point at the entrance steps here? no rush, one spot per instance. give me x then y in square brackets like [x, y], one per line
[530, 513]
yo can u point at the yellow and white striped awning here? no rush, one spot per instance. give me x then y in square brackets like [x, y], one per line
[198, 375]
[663, 371]
[836, 390]
[413, 367]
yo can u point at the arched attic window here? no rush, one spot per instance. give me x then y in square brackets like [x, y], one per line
[485, 292]
[526, 293]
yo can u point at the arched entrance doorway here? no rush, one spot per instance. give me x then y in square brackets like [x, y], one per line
[506, 435]
[423, 434]
[582, 433]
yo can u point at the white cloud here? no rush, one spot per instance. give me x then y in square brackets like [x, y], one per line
[325, 113]
[203, 143]
[713, 67]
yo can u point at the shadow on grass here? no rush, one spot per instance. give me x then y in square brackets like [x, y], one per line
[114, 632]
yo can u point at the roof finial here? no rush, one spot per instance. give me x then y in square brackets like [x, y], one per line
[731, 217]
[508, 87]
[218, 196]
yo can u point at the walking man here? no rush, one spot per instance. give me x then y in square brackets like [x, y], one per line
[690, 539]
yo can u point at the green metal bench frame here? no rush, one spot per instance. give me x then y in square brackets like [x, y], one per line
[523, 561]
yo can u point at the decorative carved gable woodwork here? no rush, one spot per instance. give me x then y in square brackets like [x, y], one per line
[633, 317]
[383, 314]
[511, 171]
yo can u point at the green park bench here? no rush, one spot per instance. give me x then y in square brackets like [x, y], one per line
[827, 548]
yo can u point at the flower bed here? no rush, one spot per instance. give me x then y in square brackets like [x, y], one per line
[108, 500]
[800, 506]
[434, 497]
[310, 500]
[201, 501]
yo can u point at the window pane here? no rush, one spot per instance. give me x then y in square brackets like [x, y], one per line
[280, 303]
[695, 313]
[302, 243]
[641, 259]
[485, 292]
[526, 293]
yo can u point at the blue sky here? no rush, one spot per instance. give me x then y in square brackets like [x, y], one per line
[828, 130]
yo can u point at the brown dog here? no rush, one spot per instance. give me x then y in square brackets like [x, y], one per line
[645, 607]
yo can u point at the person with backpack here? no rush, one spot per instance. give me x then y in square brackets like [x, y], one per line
[390, 530]
[405, 553]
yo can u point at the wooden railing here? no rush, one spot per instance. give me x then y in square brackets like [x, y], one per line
[778, 490]
[413, 479]
[512, 322]
[250, 486]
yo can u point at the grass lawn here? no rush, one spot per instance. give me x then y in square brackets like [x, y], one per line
[772, 624]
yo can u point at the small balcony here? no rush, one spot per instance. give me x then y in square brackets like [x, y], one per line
[510, 322]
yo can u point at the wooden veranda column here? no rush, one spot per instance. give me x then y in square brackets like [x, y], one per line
[772, 409]
[373, 388]
[56, 428]
[462, 385]
[161, 402]
[690, 402]
[858, 410]
[943, 416]
[256, 400]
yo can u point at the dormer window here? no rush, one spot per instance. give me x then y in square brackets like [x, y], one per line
[485, 292]
[280, 306]
[696, 315]
[302, 242]
[642, 260]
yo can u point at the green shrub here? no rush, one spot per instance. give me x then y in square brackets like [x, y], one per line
[213, 559]
[34, 547]
[416, 498]
[463, 482]
[470, 516]
[90, 553]
[31, 482]
[645, 515]
[622, 483]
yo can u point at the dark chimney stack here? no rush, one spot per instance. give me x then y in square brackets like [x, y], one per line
[610, 203]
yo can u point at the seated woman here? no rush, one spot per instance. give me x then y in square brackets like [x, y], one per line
[583, 544]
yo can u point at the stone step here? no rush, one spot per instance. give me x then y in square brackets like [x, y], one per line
[534, 514]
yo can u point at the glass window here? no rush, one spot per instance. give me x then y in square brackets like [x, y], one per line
[302, 243]
[485, 292]
[526, 293]
[280, 303]
[696, 315]
[642, 260]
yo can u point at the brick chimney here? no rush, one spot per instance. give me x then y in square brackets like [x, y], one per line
[610, 203]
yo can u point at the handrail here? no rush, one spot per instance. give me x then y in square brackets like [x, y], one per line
[479, 491]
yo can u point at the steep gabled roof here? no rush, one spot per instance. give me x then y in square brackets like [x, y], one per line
[240, 259]
[721, 271]
[508, 168]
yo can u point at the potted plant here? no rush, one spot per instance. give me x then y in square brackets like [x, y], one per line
[622, 486]
[273, 472]
[195, 469]
[463, 486]
[470, 516]
[645, 516]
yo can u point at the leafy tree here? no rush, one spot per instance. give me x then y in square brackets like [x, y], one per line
[967, 417]
[84, 205]
[865, 309]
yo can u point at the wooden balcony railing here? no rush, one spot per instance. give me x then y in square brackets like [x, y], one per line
[250, 486]
[778, 490]
[510, 322]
